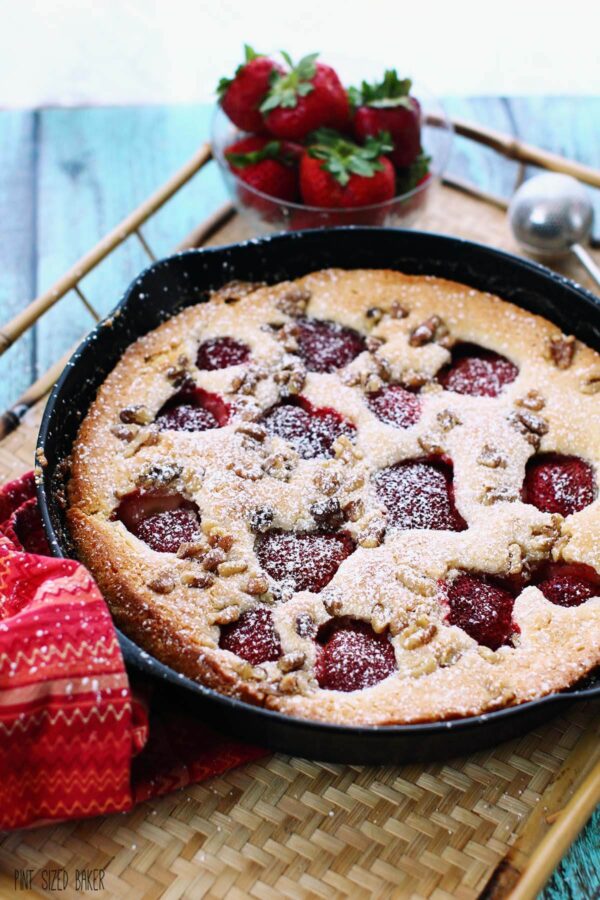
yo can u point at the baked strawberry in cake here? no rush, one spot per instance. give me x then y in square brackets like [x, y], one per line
[360, 497]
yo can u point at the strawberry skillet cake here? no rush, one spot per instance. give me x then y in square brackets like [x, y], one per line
[360, 497]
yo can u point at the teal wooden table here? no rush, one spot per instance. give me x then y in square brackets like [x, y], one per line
[68, 176]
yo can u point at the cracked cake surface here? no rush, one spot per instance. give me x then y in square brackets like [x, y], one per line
[360, 497]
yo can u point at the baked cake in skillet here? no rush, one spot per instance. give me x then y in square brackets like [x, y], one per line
[360, 497]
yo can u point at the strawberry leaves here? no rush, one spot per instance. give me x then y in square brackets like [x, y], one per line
[272, 150]
[286, 88]
[407, 179]
[391, 91]
[225, 83]
[343, 158]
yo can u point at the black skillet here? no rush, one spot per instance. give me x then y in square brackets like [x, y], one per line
[185, 279]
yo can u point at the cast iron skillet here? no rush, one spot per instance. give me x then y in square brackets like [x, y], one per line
[184, 279]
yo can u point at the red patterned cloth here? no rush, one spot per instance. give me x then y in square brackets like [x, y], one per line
[75, 740]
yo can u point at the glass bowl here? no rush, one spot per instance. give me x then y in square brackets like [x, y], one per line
[267, 213]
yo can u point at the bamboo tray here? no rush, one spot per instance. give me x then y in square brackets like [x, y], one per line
[494, 824]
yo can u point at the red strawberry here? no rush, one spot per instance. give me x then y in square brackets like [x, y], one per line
[306, 561]
[265, 165]
[482, 609]
[477, 372]
[311, 430]
[307, 97]
[568, 584]
[559, 484]
[388, 106]
[252, 637]
[162, 521]
[193, 409]
[241, 96]
[395, 406]
[219, 353]
[419, 493]
[351, 656]
[336, 173]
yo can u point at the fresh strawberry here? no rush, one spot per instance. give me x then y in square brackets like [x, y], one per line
[267, 166]
[481, 608]
[336, 173]
[388, 106]
[241, 96]
[306, 97]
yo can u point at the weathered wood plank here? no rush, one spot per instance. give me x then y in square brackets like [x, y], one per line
[17, 242]
[476, 163]
[95, 166]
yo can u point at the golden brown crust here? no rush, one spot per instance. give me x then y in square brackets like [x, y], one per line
[227, 476]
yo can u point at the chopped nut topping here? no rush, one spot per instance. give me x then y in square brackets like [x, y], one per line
[374, 315]
[124, 432]
[373, 535]
[213, 559]
[415, 581]
[290, 378]
[246, 382]
[561, 351]
[414, 380]
[491, 458]
[232, 567]
[197, 579]
[292, 661]
[225, 542]
[333, 605]
[279, 466]
[418, 633]
[354, 510]
[293, 301]
[290, 683]
[432, 329]
[448, 420]
[163, 583]
[373, 383]
[373, 343]
[256, 584]
[532, 400]
[178, 373]
[145, 438]
[249, 471]
[345, 450]
[327, 513]
[261, 519]
[158, 475]
[327, 481]
[397, 311]
[530, 425]
[192, 550]
[252, 430]
[516, 563]
[430, 443]
[498, 494]
[136, 415]
[591, 385]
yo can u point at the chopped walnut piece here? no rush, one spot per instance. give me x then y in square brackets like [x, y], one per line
[292, 661]
[293, 301]
[432, 329]
[192, 550]
[374, 314]
[516, 562]
[430, 443]
[327, 481]
[198, 579]
[246, 382]
[252, 430]
[561, 351]
[491, 458]
[413, 380]
[261, 519]
[177, 374]
[163, 583]
[147, 437]
[345, 450]
[290, 378]
[415, 581]
[419, 633]
[213, 559]
[354, 510]
[373, 343]
[530, 425]
[136, 415]
[448, 420]
[532, 400]
[248, 471]
[373, 535]
[279, 466]
[290, 683]
[327, 513]
[256, 584]
[124, 432]
[372, 383]
[397, 311]
[158, 475]
[333, 605]
[497, 494]
[591, 385]
[232, 567]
